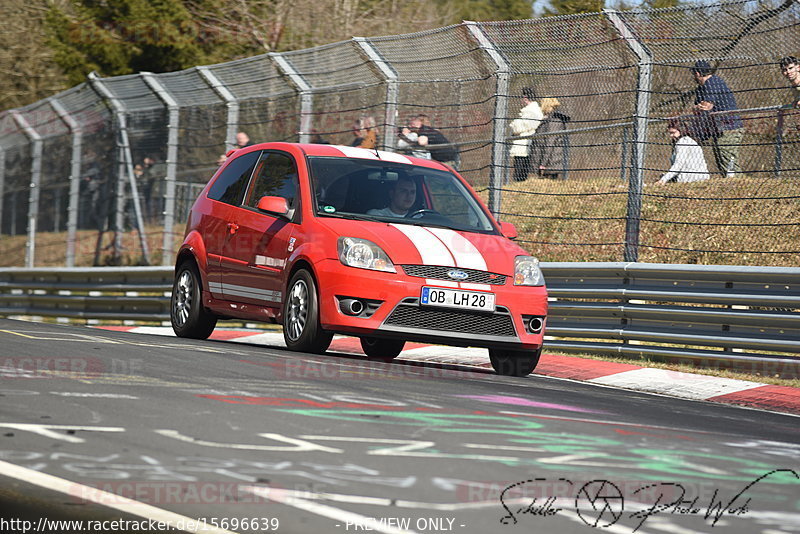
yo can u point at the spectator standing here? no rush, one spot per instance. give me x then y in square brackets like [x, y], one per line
[790, 67]
[687, 163]
[443, 151]
[94, 203]
[152, 180]
[369, 133]
[358, 132]
[242, 140]
[411, 142]
[724, 130]
[530, 117]
[548, 152]
[317, 139]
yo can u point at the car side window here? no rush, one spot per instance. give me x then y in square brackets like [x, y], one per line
[275, 176]
[229, 187]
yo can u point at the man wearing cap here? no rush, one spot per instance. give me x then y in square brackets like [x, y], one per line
[725, 130]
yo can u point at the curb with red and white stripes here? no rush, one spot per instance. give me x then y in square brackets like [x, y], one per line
[621, 375]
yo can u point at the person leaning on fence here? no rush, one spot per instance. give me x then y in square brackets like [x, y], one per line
[443, 151]
[790, 67]
[523, 127]
[687, 163]
[409, 140]
[723, 130]
[548, 152]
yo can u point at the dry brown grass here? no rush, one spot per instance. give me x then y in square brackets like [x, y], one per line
[51, 248]
[756, 219]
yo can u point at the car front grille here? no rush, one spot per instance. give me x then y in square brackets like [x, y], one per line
[409, 314]
[439, 272]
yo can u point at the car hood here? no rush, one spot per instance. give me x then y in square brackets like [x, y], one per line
[408, 244]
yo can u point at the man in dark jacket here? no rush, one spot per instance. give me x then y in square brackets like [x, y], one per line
[446, 154]
[725, 130]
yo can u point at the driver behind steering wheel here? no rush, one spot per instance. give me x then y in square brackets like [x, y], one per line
[402, 196]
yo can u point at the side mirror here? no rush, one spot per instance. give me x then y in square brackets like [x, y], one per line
[276, 205]
[509, 230]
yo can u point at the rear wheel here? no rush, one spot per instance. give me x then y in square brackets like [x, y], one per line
[186, 311]
[514, 362]
[301, 329]
[382, 349]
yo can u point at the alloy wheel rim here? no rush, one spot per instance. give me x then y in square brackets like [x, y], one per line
[298, 310]
[183, 298]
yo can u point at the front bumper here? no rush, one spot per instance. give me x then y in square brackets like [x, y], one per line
[399, 314]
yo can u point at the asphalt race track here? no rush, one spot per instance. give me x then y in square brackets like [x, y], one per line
[125, 432]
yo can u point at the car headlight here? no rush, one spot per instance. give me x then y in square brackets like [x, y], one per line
[527, 272]
[363, 254]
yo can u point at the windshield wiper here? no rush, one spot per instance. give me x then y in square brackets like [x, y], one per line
[354, 216]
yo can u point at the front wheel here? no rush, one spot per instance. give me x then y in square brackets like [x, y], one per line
[514, 362]
[301, 329]
[382, 349]
[187, 314]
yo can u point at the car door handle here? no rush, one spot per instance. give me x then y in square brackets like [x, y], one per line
[232, 227]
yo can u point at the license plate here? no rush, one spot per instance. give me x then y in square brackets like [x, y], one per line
[454, 298]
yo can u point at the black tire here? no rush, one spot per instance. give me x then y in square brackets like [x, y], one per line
[301, 329]
[514, 362]
[382, 349]
[186, 311]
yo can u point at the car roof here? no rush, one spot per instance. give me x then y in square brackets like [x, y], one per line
[341, 151]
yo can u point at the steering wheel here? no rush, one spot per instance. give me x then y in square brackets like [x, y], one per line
[418, 214]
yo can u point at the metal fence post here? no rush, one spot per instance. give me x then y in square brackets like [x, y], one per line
[392, 91]
[172, 164]
[644, 79]
[305, 91]
[230, 102]
[2, 183]
[36, 178]
[125, 161]
[497, 178]
[74, 177]
[779, 143]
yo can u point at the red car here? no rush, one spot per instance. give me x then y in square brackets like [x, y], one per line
[332, 239]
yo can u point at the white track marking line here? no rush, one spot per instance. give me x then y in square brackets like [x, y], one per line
[104, 498]
[361, 522]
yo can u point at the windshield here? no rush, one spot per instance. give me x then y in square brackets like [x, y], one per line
[394, 192]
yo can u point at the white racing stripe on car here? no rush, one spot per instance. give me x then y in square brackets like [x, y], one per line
[464, 252]
[476, 287]
[445, 283]
[215, 287]
[430, 248]
[363, 153]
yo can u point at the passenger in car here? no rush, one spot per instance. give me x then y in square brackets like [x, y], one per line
[401, 198]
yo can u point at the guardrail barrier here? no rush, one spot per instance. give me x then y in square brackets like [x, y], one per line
[746, 318]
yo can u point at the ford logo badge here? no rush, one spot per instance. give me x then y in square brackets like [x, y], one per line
[455, 274]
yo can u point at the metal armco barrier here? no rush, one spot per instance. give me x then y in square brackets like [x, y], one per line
[720, 316]
[102, 293]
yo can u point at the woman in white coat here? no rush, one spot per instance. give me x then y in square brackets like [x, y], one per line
[688, 162]
[530, 117]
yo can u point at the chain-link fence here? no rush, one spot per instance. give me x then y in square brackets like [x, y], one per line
[105, 172]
